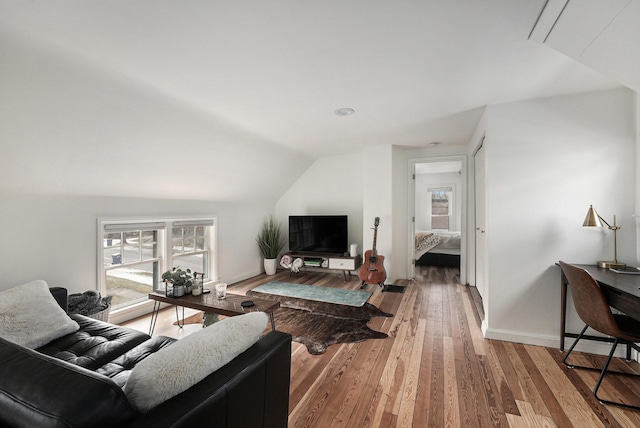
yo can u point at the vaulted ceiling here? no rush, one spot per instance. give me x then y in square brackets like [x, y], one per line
[95, 95]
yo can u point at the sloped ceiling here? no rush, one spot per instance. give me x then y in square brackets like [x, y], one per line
[222, 100]
[601, 34]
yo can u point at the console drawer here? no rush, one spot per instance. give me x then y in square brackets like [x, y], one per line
[345, 264]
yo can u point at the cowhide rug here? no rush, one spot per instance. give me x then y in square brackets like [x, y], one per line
[318, 325]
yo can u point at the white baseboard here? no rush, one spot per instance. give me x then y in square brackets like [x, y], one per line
[588, 346]
[243, 277]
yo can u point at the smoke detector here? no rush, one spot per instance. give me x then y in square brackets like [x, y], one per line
[345, 111]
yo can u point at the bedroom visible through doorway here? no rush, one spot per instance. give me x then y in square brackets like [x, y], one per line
[438, 212]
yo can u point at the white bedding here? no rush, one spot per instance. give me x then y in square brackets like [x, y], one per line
[436, 242]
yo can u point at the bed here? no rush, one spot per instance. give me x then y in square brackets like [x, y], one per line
[437, 248]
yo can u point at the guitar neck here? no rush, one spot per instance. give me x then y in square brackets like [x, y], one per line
[374, 252]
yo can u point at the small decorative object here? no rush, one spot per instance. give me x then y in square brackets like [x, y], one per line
[353, 250]
[168, 289]
[196, 287]
[221, 290]
[296, 265]
[177, 281]
[271, 242]
[178, 290]
[286, 261]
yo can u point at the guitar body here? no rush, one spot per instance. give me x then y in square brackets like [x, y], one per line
[372, 269]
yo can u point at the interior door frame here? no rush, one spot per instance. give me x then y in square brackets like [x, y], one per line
[412, 204]
[478, 265]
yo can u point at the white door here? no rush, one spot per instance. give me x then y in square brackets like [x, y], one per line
[480, 216]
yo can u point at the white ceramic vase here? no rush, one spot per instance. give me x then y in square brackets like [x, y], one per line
[270, 266]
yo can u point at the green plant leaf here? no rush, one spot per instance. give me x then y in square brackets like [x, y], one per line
[270, 239]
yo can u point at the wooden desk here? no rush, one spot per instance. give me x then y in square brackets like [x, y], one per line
[207, 302]
[622, 292]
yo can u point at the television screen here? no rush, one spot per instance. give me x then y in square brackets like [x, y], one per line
[318, 233]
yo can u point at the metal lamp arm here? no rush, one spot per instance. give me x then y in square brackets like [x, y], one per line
[614, 227]
[615, 236]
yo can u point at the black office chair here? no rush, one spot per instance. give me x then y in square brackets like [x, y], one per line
[593, 308]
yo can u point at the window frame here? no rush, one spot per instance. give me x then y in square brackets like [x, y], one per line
[164, 256]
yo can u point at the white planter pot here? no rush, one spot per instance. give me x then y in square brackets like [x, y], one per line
[270, 266]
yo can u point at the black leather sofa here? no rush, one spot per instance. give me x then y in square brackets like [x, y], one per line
[77, 380]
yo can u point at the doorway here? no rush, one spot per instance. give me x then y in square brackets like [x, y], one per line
[437, 213]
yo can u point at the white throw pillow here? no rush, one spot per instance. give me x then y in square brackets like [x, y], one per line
[178, 367]
[31, 317]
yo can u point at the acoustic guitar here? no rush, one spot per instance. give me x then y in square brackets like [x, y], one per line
[372, 269]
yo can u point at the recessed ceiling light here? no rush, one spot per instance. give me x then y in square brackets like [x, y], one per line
[345, 111]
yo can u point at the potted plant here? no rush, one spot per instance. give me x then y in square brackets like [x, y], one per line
[180, 280]
[271, 242]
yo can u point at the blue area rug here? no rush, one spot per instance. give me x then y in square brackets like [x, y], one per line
[314, 292]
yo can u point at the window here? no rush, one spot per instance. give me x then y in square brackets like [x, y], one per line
[135, 254]
[441, 208]
[190, 246]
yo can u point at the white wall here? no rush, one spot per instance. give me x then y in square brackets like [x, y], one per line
[53, 237]
[399, 255]
[637, 192]
[72, 128]
[547, 160]
[331, 185]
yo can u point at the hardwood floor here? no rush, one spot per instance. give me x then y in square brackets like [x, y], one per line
[436, 369]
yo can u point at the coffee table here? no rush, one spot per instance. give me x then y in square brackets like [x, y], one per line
[207, 302]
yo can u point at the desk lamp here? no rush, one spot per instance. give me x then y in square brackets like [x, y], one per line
[593, 219]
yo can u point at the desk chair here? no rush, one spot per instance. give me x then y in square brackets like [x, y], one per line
[593, 309]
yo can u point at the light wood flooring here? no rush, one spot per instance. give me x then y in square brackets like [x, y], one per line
[435, 369]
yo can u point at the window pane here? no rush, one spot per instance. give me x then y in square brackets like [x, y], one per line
[177, 241]
[440, 203]
[132, 238]
[148, 237]
[112, 256]
[176, 233]
[148, 251]
[130, 284]
[149, 246]
[195, 262]
[112, 239]
[188, 232]
[200, 243]
[440, 222]
[189, 239]
[189, 245]
[130, 254]
[200, 238]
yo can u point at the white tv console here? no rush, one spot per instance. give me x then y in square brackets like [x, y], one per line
[322, 262]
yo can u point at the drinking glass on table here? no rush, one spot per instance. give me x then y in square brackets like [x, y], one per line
[221, 290]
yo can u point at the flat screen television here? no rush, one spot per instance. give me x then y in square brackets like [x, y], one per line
[318, 233]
